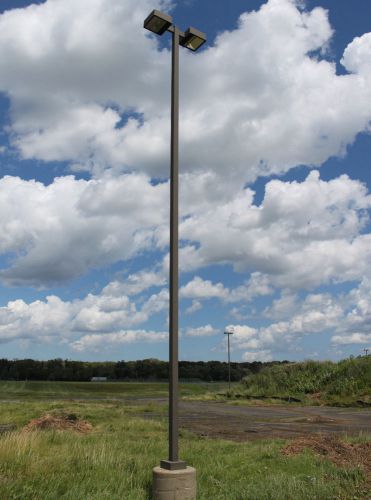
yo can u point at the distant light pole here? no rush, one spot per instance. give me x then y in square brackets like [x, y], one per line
[366, 351]
[229, 332]
[192, 39]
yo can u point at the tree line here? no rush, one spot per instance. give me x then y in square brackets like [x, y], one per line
[146, 369]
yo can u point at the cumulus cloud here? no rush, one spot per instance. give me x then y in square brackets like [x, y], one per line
[316, 313]
[282, 307]
[41, 319]
[199, 288]
[355, 328]
[354, 338]
[194, 307]
[73, 68]
[136, 283]
[95, 320]
[302, 235]
[345, 316]
[87, 84]
[201, 331]
[356, 58]
[54, 233]
[96, 343]
[264, 355]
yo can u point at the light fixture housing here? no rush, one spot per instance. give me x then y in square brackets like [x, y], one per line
[229, 332]
[158, 22]
[193, 39]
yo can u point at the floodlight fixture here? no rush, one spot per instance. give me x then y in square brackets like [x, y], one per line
[158, 22]
[193, 39]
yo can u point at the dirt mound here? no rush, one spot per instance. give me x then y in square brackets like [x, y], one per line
[334, 449]
[59, 421]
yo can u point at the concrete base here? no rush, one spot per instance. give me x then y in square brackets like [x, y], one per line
[174, 484]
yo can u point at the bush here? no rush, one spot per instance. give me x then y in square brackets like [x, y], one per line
[347, 378]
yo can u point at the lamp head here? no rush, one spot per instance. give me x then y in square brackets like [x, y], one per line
[158, 22]
[193, 39]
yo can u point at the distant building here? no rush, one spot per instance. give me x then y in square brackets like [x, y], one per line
[99, 379]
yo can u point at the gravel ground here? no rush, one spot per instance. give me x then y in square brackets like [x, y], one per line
[242, 423]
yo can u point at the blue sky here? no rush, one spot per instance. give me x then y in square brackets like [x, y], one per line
[275, 180]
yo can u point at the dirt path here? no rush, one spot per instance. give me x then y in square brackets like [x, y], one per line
[239, 423]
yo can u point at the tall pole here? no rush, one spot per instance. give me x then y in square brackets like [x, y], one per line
[173, 478]
[174, 237]
[159, 23]
[173, 463]
[229, 363]
[229, 333]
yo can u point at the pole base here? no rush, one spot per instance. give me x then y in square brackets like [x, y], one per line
[173, 465]
[174, 484]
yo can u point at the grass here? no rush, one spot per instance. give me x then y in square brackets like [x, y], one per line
[346, 383]
[115, 460]
[34, 390]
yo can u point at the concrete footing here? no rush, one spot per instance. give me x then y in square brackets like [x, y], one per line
[174, 484]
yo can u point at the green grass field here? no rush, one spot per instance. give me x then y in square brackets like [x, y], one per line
[31, 390]
[115, 459]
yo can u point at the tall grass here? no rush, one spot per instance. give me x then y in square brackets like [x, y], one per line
[115, 462]
[345, 382]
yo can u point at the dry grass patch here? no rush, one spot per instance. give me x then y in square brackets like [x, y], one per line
[344, 454]
[59, 420]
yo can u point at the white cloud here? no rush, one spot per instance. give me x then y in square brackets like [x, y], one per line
[354, 338]
[347, 317]
[264, 355]
[104, 315]
[75, 70]
[136, 283]
[257, 285]
[355, 328]
[356, 58]
[303, 233]
[60, 231]
[19, 320]
[237, 314]
[96, 343]
[285, 305]
[201, 331]
[205, 289]
[72, 67]
[156, 303]
[199, 288]
[67, 61]
[315, 314]
[194, 307]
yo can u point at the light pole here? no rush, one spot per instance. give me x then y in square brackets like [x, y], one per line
[192, 39]
[229, 332]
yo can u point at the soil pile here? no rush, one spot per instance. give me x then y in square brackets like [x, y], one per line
[332, 448]
[59, 421]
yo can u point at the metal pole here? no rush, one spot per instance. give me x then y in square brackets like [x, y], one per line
[229, 363]
[173, 463]
[174, 306]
